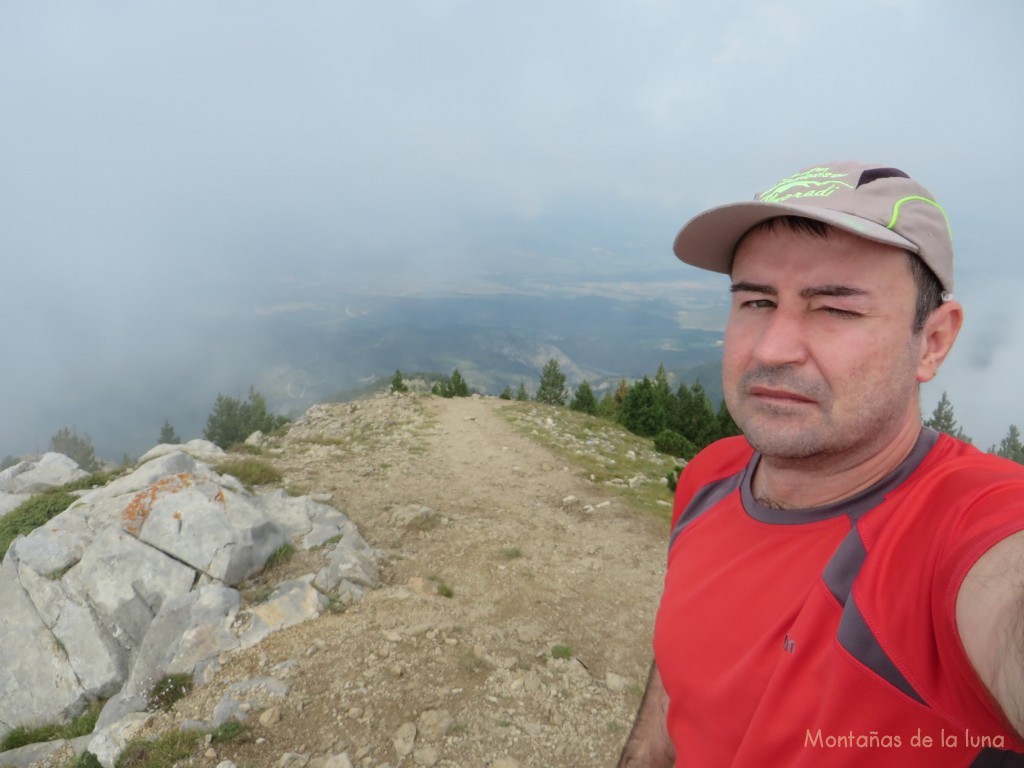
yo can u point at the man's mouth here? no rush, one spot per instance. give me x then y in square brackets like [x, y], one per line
[780, 395]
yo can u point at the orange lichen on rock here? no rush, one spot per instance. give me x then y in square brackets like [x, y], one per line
[141, 505]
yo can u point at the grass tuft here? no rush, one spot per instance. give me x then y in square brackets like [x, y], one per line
[251, 450]
[31, 514]
[251, 472]
[281, 555]
[232, 730]
[168, 690]
[164, 752]
[561, 652]
[80, 726]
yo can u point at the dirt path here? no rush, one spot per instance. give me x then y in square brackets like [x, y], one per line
[514, 622]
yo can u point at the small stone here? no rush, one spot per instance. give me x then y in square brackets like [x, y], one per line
[338, 761]
[405, 739]
[355, 712]
[426, 756]
[271, 716]
[615, 682]
[210, 754]
[434, 724]
[226, 764]
[293, 760]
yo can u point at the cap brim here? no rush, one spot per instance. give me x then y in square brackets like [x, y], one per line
[709, 239]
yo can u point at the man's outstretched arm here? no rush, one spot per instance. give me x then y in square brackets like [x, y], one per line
[648, 745]
[990, 618]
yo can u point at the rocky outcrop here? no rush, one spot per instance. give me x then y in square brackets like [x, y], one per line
[139, 579]
[18, 483]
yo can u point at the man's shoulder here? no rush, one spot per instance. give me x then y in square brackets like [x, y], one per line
[955, 476]
[955, 461]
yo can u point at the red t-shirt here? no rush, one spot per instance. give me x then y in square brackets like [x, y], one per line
[827, 636]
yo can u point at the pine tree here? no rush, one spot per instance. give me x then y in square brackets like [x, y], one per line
[663, 395]
[727, 427]
[584, 400]
[1010, 447]
[168, 435]
[703, 418]
[607, 408]
[76, 447]
[641, 413]
[521, 393]
[458, 385]
[942, 419]
[398, 383]
[232, 421]
[506, 393]
[552, 384]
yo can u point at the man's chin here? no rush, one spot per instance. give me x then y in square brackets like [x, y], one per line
[779, 444]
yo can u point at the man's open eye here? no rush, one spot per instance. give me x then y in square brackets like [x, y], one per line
[758, 304]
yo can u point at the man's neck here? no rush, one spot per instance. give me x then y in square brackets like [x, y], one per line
[816, 482]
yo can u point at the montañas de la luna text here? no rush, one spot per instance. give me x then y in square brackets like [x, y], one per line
[919, 740]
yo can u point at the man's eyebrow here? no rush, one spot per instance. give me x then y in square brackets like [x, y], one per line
[832, 290]
[743, 285]
[837, 290]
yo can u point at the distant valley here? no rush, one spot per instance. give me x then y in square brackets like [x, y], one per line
[316, 342]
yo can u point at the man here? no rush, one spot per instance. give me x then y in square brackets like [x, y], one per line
[844, 587]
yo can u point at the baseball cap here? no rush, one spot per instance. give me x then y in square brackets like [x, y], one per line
[873, 201]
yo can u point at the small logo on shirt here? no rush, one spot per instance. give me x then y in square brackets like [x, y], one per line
[788, 645]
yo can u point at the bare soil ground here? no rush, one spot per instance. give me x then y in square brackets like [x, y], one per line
[513, 626]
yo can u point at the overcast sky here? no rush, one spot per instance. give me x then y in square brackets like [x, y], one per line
[164, 163]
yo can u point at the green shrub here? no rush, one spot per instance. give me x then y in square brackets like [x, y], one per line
[31, 514]
[451, 386]
[673, 478]
[251, 472]
[232, 421]
[674, 444]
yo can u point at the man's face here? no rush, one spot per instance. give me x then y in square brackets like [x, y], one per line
[820, 359]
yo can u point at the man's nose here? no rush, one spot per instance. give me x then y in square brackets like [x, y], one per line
[782, 339]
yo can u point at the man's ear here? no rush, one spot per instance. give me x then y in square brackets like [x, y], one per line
[937, 337]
